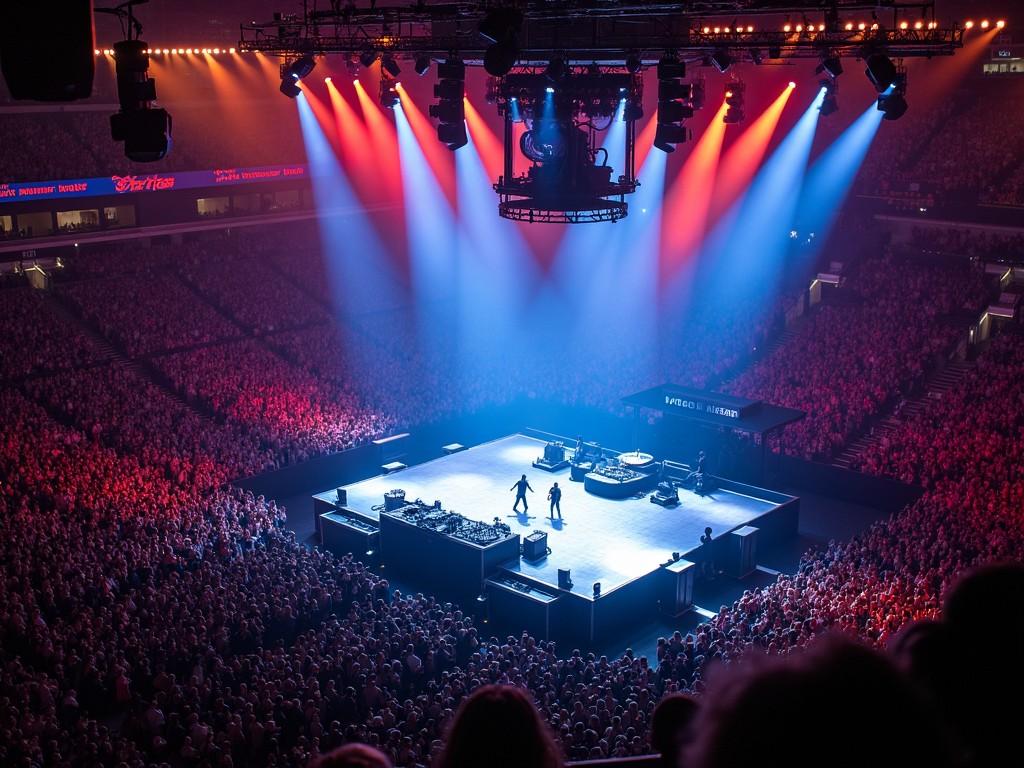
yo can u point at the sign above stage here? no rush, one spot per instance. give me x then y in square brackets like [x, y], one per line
[715, 408]
[712, 403]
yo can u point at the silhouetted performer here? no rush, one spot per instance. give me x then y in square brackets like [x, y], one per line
[521, 487]
[555, 497]
[707, 557]
[698, 471]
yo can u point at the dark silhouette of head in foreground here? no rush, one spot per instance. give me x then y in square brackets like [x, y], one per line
[351, 756]
[836, 704]
[498, 727]
[671, 726]
[983, 617]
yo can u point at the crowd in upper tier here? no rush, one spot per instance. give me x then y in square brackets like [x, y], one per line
[849, 359]
[922, 160]
[78, 145]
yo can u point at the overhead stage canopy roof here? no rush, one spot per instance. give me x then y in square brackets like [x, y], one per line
[715, 408]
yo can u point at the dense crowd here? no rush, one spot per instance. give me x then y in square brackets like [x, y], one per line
[78, 145]
[923, 160]
[154, 312]
[38, 338]
[290, 412]
[151, 613]
[882, 339]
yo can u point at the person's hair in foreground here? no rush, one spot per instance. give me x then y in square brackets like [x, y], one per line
[498, 727]
[837, 703]
[351, 756]
[671, 726]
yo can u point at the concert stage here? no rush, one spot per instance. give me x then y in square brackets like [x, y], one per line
[625, 544]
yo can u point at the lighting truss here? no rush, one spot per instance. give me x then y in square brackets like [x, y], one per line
[569, 180]
[614, 30]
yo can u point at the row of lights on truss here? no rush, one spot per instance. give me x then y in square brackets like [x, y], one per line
[848, 27]
[173, 51]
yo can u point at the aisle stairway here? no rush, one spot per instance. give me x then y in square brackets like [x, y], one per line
[941, 382]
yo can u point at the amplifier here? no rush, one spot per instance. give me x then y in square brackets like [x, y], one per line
[535, 546]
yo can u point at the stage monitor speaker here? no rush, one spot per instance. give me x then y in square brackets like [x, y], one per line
[564, 582]
[535, 546]
[47, 50]
[342, 497]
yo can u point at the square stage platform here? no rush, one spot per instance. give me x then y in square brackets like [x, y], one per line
[612, 541]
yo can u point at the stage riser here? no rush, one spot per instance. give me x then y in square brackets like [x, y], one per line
[437, 561]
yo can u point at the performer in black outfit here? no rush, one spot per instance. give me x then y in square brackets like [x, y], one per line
[521, 487]
[555, 497]
[707, 556]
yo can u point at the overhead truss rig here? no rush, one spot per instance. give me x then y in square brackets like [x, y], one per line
[607, 31]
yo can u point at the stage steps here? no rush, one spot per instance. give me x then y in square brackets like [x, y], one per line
[940, 382]
[115, 357]
[109, 352]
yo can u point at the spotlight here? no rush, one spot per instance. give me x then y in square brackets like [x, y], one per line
[969, 25]
[830, 65]
[734, 97]
[549, 89]
[984, 24]
[829, 104]
[389, 98]
[290, 87]
[633, 63]
[880, 71]
[366, 58]
[293, 72]
[352, 66]
[892, 107]
[422, 64]
[1000, 24]
[722, 60]
[389, 65]
[792, 84]
[892, 103]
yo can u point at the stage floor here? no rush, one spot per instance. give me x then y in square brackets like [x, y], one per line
[607, 540]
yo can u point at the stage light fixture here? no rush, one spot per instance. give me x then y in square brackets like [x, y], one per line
[633, 63]
[734, 98]
[352, 65]
[422, 64]
[145, 131]
[390, 65]
[389, 97]
[501, 28]
[892, 103]
[831, 66]
[450, 110]
[829, 103]
[674, 104]
[722, 60]
[881, 71]
[366, 58]
[293, 72]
